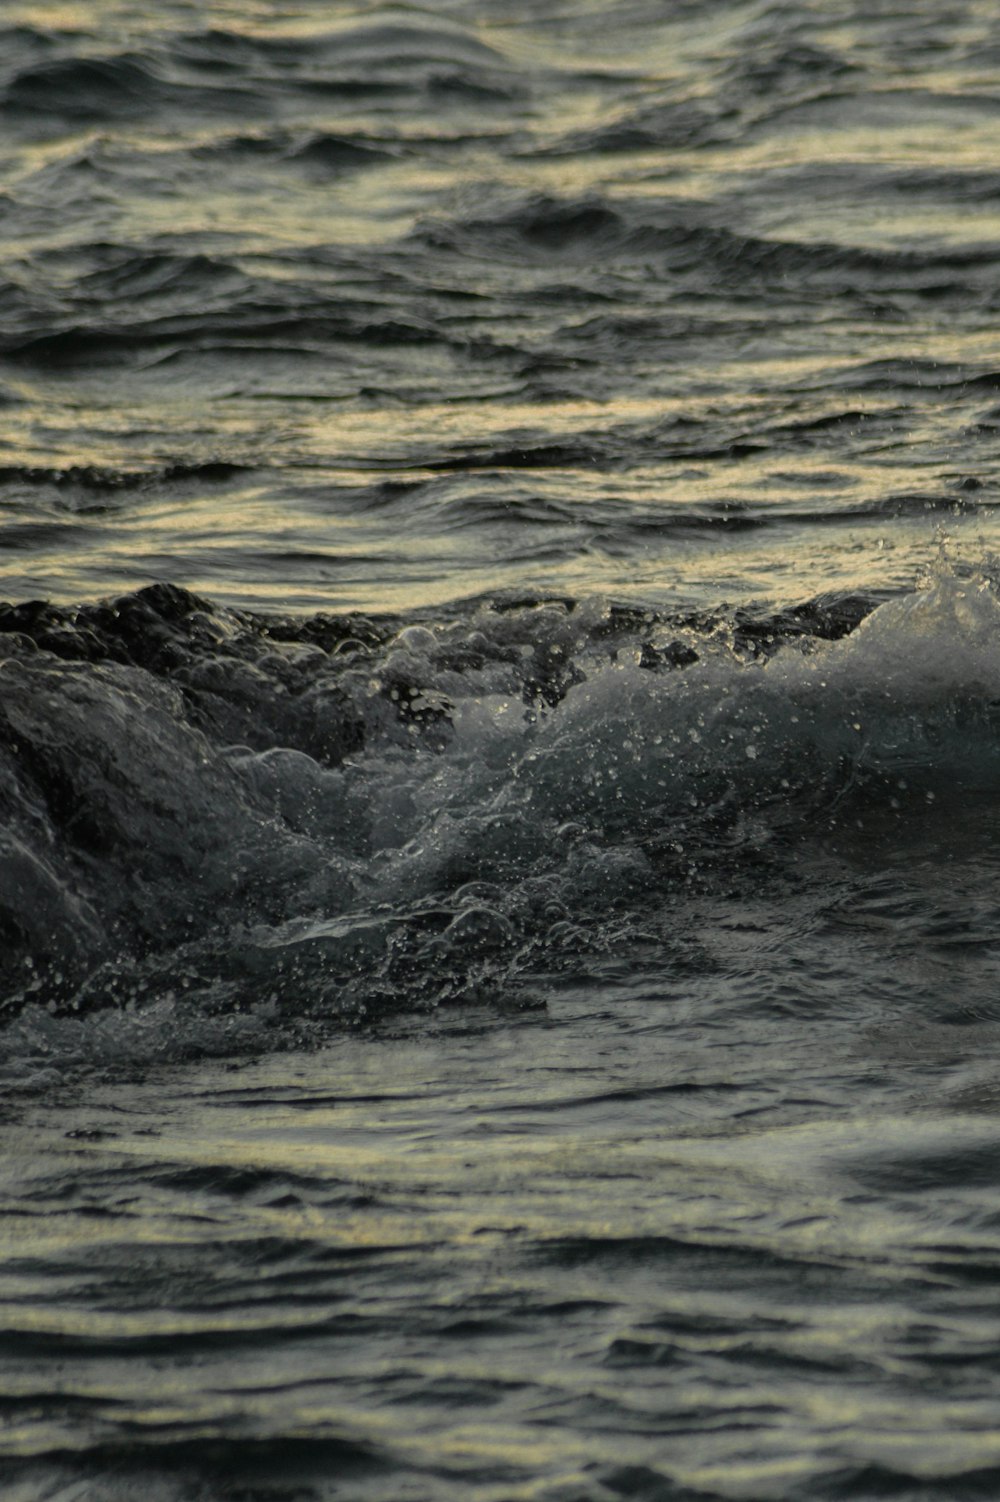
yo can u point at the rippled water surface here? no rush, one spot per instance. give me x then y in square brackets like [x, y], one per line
[499, 773]
[329, 305]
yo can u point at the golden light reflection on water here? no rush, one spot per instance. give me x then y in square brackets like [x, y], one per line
[256, 548]
[61, 15]
[306, 551]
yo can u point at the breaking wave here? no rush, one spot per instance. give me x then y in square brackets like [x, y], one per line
[278, 825]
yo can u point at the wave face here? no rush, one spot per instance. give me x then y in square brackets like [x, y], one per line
[499, 787]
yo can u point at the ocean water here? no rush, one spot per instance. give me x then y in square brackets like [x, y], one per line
[499, 751]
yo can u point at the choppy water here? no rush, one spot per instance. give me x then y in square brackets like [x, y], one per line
[499, 771]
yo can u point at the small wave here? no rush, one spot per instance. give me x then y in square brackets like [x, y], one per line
[681, 125]
[23, 46]
[124, 273]
[102, 479]
[421, 38]
[590, 230]
[84, 88]
[912, 374]
[172, 1468]
[954, 184]
[754, 87]
[381, 56]
[538, 455]
[784, 70]
[877, 109]
[144, 301]
[339, 152]
[217, 49]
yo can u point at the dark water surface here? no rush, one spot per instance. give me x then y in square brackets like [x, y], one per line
[499, 761]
